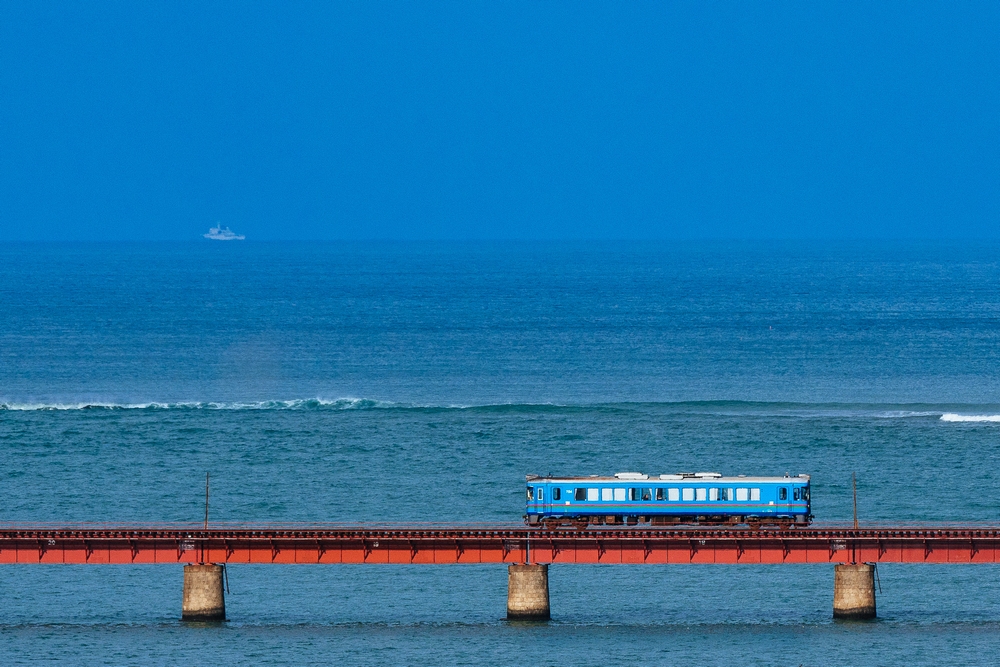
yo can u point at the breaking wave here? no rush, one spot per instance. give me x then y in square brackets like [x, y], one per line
[297, 404]
[944, 412]
[952, 417]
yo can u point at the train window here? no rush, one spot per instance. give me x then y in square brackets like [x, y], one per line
[619, 494]
[674, 494]
[742, 494]
[702, 494]
[796, 494]
[531, 493]
[754, 494]
[541, 493]
[783, 494]
[805, 493]
[725, 494]
[555, 493]
[647, 494]
[592, 495]
[659, 494]
[687, 494]
[633, 494]
[581, 494]
[713, 494]
[607, 494]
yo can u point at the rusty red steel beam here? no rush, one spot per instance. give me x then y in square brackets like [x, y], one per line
[450, 545]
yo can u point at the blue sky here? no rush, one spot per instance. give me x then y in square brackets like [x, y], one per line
[497, 120]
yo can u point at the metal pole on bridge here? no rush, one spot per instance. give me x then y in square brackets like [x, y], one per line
[206, 505]
[854, 487]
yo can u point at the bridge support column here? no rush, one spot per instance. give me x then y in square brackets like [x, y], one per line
[854, 591]
[204, 599]
[528, 592]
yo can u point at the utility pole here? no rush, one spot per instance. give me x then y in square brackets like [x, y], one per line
[206, 505]
[854, 485]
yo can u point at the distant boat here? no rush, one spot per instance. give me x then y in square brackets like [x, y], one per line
[220, 234]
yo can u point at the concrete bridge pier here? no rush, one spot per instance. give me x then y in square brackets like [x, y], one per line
[528, 592]
[204, 597]
[854, 591]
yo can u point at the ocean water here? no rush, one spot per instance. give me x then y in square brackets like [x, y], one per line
[420, 382]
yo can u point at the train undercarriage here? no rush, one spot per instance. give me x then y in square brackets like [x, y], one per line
[582, 522]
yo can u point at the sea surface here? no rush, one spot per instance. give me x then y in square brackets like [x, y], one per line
[409, 382]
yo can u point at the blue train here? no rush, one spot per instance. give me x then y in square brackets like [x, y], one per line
[684, 498]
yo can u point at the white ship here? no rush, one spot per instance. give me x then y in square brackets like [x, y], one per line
[220, 234]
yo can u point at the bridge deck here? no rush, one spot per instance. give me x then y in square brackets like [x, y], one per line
[496, 544]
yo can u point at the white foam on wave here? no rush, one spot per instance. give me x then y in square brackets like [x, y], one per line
[351, 403]
[952, 417]
[295, 404]
[905, 414]
[30, 407]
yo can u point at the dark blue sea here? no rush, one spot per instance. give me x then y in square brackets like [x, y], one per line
[420, 382]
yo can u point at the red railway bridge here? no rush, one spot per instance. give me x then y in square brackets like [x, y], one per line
[527, 551]
[494, 544]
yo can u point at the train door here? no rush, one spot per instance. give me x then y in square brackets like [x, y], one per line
[784, 499]
[800, 503]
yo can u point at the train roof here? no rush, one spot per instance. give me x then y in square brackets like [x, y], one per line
[631, 477]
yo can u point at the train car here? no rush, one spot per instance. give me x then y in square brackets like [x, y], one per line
[703, 498]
